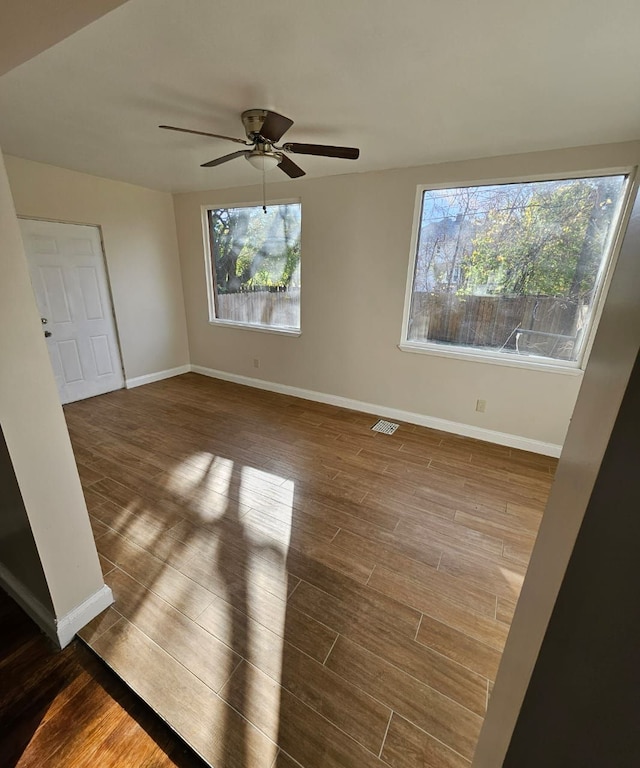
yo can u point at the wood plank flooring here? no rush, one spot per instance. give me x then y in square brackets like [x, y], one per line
[65, 709]
[293, 589]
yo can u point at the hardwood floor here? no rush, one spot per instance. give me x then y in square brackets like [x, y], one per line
[294, 589]
[65, 709]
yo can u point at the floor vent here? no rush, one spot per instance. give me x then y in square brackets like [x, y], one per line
[386, 427]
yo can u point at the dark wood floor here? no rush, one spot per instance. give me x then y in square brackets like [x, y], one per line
[66, 709]
[292, 588]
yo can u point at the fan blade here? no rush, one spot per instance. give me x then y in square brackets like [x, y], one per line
[275, 126]
[202, 133]
[347, 153]
[290, 168]
[225, 158]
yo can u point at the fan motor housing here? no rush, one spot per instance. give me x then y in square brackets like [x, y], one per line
[253, 119]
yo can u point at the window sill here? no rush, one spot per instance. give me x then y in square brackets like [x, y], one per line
[529, 363]
[259, 328]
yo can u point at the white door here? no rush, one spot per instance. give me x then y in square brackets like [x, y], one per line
[69, 280]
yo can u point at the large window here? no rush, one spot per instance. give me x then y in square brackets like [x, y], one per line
[254, 277]
[512, 269]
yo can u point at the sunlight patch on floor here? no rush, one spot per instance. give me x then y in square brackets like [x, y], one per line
[514, 580]
[266, 593]
[247, 517]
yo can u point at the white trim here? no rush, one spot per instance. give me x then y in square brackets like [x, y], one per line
[491, 357]
[411, 269]
[148, 378]
[520, 178]
[281, 331]
[208, 262]
[82, 614]
[615, 246]
[254, 204]
[61, 631]
[458, 428]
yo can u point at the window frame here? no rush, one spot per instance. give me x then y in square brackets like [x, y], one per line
[459, 352]
[210, 274]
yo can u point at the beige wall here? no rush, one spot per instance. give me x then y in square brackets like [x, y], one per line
[356, 233]
[138, 229]
[37, 439]
[27, 29]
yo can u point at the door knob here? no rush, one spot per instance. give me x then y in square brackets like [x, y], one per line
[44, 320]
[47, 334]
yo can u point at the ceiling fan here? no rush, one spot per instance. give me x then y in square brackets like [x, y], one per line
[264, 129]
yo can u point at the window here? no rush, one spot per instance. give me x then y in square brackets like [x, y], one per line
[512, 269]
[254, 266]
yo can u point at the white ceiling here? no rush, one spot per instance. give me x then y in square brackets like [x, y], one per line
[410, 82]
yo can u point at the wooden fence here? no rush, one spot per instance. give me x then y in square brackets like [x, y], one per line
[264, 307]
[529, 324]
[498, 322]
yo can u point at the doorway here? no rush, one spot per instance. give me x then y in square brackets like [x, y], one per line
[70, 283]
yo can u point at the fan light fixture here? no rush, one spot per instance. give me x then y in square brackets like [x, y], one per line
[263, 161]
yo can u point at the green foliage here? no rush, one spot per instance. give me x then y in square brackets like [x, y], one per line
[547, 241]
[251, 249]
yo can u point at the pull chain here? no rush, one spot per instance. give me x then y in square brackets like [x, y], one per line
[264, 188]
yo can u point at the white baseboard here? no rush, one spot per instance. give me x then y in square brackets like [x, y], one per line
[455, 427]
[148, 378]
[458, 428]
[81, 615]
[61, 631]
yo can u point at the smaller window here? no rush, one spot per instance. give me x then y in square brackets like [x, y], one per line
[254, 275]
[512, 269]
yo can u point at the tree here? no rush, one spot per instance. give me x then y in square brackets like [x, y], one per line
[228, 231]
[544, 238]
[252, 249]
[445, 238]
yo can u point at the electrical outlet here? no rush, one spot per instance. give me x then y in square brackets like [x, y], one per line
[481, 406]
[256, 362]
